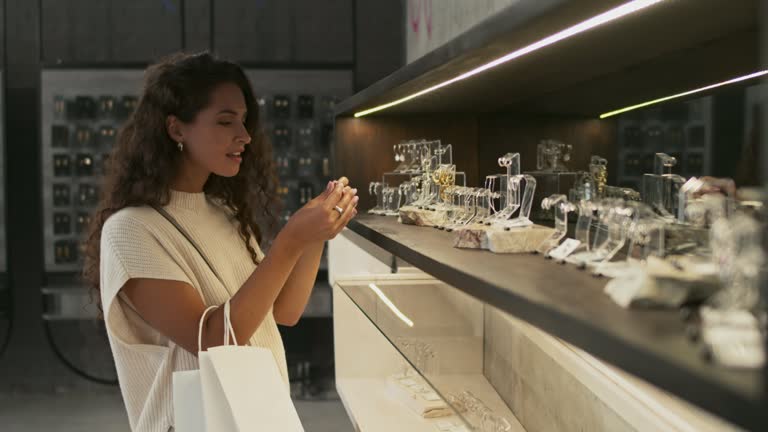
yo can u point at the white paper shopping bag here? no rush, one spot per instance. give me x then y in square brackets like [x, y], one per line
[188, 402]
[236, 389]
[243, 385]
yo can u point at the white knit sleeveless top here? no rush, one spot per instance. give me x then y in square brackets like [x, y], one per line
[138, 242]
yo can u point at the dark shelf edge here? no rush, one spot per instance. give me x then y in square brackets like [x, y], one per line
[504, 21]
[708, 394]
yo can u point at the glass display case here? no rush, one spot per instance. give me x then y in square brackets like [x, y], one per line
[439, 359]
[424, 344]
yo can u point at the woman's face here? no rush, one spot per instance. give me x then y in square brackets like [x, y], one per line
[215, 139]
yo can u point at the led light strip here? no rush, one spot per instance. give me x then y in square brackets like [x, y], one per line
[390, 305]
[679, 95]
[598, 20]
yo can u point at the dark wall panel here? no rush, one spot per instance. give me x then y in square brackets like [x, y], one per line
[2, 34]
[323, 31]
[284, 31]
[503, 133]
[253, 31]
[197, 25]
[728, 118]
[380, 40]
[143, 30]
[116, 31]
[75, 31]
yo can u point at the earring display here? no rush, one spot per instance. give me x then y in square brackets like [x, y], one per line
[375, 189]
[281, 107]
[508, 230]
[281, 137]
[392, 200]
[82, 112]
[552, 175]
[83, 136]
[84, 164]
[661, 189]
[107, 106]
[59, 136]
[82, 222]
[61, 165]
[107, 136]
[561, 207]
[306, 137]
[306, 106]
[701, 201]
[82, 108]
[125, 107]
[598, 171]
[296, 115]
[685, 131]
[655, 254]
[434, 182]
[467, 207]
[62, 223]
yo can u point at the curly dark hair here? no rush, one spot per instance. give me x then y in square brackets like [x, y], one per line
[145, 158]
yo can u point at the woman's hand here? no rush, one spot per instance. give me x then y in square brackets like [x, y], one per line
[318, 200]
[319, 220]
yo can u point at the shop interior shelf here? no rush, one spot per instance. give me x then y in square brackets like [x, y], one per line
[569, 303]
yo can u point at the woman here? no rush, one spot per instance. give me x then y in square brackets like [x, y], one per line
[193, 149]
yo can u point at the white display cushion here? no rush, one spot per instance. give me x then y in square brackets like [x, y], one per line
[410, 215]
[517, 240]
[424, 404]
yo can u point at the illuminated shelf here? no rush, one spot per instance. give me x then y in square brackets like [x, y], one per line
[639, 57]
[570, 304]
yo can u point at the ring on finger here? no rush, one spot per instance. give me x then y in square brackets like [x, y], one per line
[339, 209]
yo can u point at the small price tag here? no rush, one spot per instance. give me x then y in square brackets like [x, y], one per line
[566, 248]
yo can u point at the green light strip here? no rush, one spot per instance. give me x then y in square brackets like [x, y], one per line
[679, 95]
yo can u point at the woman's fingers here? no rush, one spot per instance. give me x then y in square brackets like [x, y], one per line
[347, 203]
[334, 197]
[346, 217]
[348, 194]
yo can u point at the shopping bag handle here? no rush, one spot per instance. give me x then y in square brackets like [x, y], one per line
[228, 330]
[200, 327]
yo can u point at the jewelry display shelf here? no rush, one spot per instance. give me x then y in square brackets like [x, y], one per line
[569, 303]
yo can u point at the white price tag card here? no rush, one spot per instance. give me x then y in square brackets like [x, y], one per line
[566, 248]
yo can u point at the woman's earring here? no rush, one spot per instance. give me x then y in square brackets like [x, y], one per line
[180, 145]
